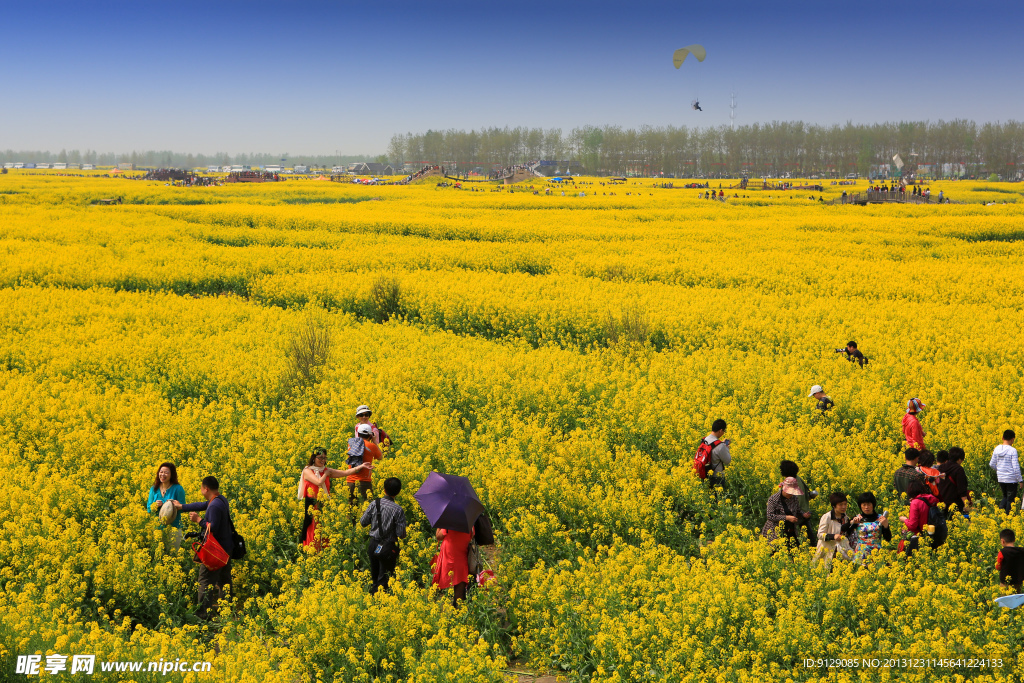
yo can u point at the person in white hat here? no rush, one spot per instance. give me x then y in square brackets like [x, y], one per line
[362, 479]
[824, 402]
[380, 437]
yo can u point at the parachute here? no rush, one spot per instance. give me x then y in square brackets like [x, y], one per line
[679, 56]
[682, 53]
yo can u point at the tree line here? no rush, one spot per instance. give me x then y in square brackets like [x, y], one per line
[948, 147]
[170, 159]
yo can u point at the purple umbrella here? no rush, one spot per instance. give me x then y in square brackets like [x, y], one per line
[449, 502]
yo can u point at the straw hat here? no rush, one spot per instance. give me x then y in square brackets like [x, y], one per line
[167, 512]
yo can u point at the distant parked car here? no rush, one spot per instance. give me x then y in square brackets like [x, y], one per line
[851, 176]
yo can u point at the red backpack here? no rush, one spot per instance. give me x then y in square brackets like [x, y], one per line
[702, 461]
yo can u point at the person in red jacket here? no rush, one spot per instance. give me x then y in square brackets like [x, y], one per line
[913, 435]
[920, 501]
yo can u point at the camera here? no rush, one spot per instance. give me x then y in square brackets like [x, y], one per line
[192, 534]
[811, 495]
[842, 350]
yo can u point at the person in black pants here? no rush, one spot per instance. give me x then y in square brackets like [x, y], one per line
[386, 520]
[218, 519]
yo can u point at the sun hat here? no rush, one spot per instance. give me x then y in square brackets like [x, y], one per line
[167, 512]
[364, 430]
[914, 405]
[815, 389]
[363, 409]
[790, 486]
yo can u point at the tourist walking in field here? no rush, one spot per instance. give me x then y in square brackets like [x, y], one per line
[1010, 561]
[316, 477]
[824, 402]
[217, 522]
[913, 435]
[363, 478]
[925, 460]
[908, 472]
[166, 488]
[868, 528]
[834, 531]
[782, 508]
[788, 468]
[451, 564]
[1007, 466]
[720, 457]
[363, 415]
[386, 520]
[953, 491]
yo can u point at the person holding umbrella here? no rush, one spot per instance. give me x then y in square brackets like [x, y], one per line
[453, 508]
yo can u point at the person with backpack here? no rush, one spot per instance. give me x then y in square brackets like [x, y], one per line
[713, 454]
[924, 512]
[386, 520]
[913, 435]
[788, 468]
[218, 524]
[451, 564]
[1007, 466]
[908, 472]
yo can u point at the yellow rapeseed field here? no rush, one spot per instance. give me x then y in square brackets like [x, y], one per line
[564, 352]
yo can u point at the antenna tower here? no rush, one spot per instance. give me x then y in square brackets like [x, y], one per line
[732, 111]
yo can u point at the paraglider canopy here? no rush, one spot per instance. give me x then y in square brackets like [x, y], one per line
[682, 53]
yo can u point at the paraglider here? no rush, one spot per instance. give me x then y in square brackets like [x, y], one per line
[680, 55]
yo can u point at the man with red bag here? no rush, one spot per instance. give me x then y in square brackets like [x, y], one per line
[215, 553]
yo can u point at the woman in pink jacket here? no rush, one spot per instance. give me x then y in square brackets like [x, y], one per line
[920, 501]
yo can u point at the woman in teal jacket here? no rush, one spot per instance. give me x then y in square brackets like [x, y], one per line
[166, 487]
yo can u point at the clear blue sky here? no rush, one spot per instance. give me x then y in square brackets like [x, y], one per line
[315, 77]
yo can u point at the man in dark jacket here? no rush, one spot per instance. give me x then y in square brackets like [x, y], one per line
[218, 523]
[1010, 561]
[953, 487]
[902, 477]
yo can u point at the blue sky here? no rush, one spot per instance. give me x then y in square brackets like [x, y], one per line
[316, 77]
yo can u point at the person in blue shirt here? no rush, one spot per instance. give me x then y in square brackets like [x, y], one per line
[166, 487]
[218, 522]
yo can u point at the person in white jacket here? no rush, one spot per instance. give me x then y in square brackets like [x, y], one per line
[1007, 466]
[834, 531]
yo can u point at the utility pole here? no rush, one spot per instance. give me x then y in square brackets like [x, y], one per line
[732, 111]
